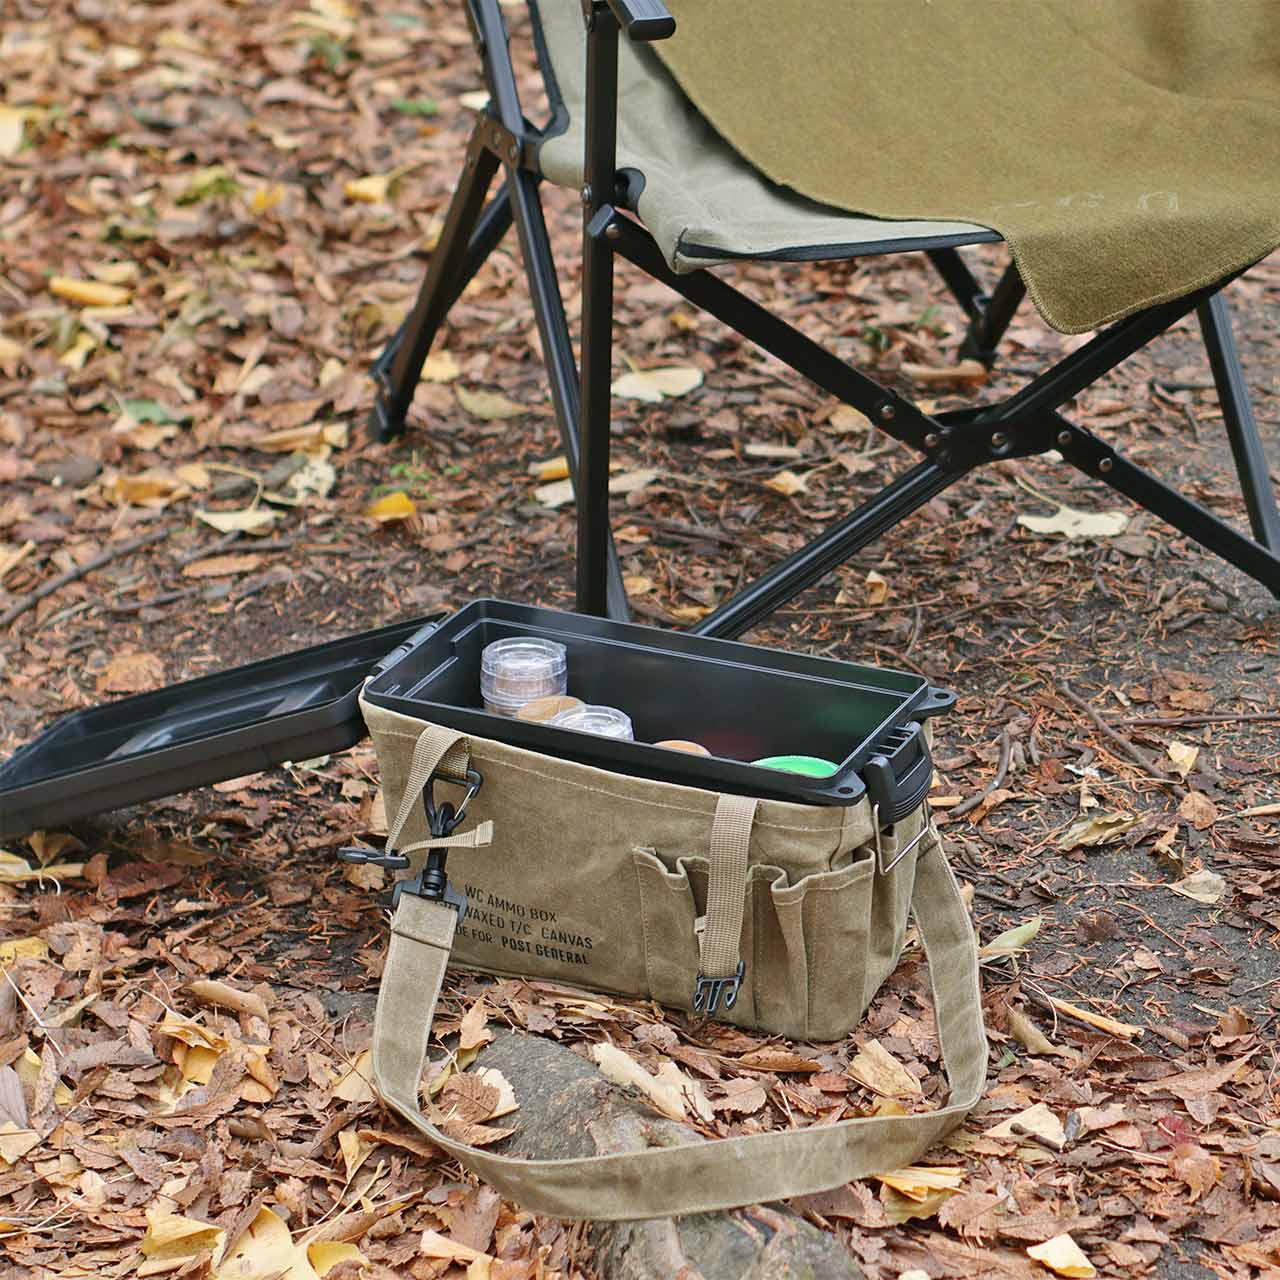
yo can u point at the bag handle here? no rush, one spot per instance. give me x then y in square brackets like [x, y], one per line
[437, 750]
[701, 1176]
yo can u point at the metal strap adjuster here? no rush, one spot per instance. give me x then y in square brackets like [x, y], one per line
[884, 870]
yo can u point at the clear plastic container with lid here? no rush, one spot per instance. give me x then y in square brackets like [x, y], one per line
[519, 669]
[607, 722]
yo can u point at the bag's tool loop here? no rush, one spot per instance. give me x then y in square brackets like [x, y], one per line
[708, 992]
[925, 828]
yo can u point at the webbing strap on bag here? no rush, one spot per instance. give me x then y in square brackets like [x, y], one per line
[701, 1176]
[720, 964]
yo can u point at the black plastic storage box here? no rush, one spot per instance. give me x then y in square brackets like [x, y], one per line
[740, 701]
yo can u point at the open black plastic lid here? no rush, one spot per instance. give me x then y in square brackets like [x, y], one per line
[293, 707]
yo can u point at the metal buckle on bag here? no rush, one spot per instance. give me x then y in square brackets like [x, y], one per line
[708, 992]
[906, 849]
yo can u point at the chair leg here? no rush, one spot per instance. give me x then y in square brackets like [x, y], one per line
[787, 580]
[446, 275]
[597, 312]
[994, 316]
[1237, 413]
[989, 314]
[557, 353]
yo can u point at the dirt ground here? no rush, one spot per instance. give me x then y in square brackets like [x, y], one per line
[251, 193]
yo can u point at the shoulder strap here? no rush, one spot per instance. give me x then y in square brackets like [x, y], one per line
[700, 1176]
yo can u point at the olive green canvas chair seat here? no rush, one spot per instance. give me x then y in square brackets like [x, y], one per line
[663, 191]
[700, 200]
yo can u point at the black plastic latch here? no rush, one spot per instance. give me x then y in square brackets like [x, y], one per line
[709, 992]
[362, 856]
[900, 773]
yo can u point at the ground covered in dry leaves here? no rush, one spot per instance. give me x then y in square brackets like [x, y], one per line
[211, 216]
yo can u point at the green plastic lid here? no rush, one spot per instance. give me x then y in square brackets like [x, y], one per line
[809, 766]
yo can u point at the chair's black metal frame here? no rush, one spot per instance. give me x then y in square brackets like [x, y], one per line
[952, 444]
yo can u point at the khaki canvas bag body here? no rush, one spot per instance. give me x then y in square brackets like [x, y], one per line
[772, 915]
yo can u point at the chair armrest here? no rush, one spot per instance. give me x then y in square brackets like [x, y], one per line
[644, 19]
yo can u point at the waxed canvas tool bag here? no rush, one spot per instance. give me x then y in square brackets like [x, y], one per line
[768, 914]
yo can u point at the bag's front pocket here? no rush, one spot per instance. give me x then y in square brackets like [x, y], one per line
[670, 904]
[773, 995]
[827, 918]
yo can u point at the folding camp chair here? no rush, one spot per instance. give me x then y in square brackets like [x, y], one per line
[662, 190]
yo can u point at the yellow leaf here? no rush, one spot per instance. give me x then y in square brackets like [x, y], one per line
[689, 612]
[556, 468]
[670, 1090]
[195, 1034]
[1063, 1255]
[155, 488]
[10, 350]
[264, 199]
[115, 272]
[916, 1182]
[488, 405]
[637, 584]
[355, 1151]
[88, 293]
[312, 436]
[266, 1249]
[1077, 524]
[324, 1255]
[556, 494]
[475, 100]
[195, 1062]
[171, 1236]
[394, 506]
[248, 520]
[17, 948]
[440, 366]
[878, 1070]
[372, 189]
[877, 587]
[787, 483]
[356, 1084]
[434, 1245]
[1183, 755]
[655, 385]
[77, 353]
[12, 124]
[14, 870]
[1038, 1120]
[845, 419]
[15, 1142]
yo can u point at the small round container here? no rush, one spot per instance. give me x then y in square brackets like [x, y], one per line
[809, 766]
[683, 744]
[519, 670]
[541, 710]
[608, 722]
